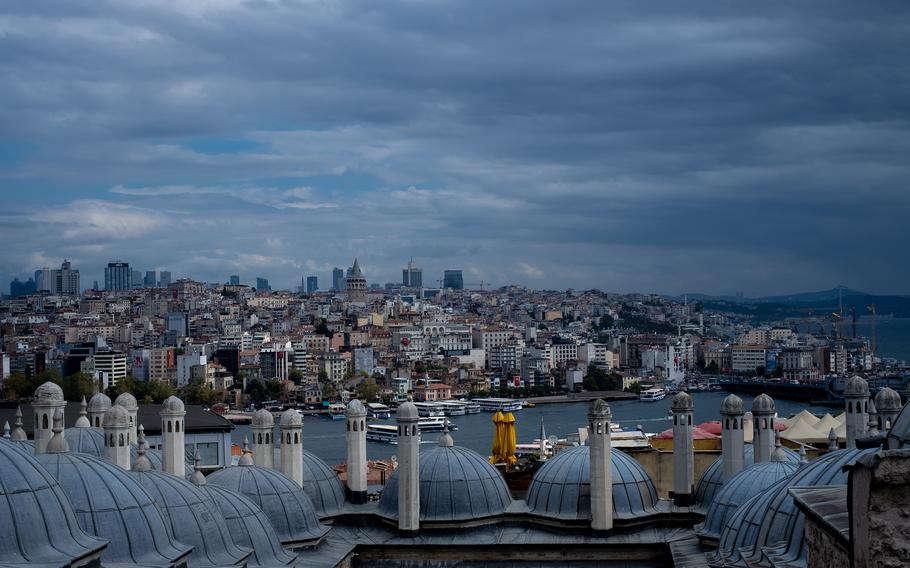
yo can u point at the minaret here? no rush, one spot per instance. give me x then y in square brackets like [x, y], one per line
[732, 436]
[97, 406]
[128, 401]
[173, 451]
[116, 436]
[57, 444]
[543, 441]
[683, 450]
[408, 470]
[856, 397]
[601, 464]
[357, 452]
[263, 427]
[292, 445]
[888, 404]
[48, 398]
[82, 421]
[18, 434]
[763, 412]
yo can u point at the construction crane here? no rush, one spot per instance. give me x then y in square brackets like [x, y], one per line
[480, 284]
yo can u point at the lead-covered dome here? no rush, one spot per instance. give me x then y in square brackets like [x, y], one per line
[284, 502]
[39, 526]
[763, 404]
[249, 527]
[713, 478]
[172, 405]
[856, 387]
[109, 503]
[117, 417]
[561, 488]
[127, 401]
[746, 484]
[407, 411]
[456, 484]
[262, 418]
[887, 400]
[682, 401]
[732, 405]
[291, 417]
[99, 403]
[322, 486]
[85, 440]
[193, 516]
[48, 392]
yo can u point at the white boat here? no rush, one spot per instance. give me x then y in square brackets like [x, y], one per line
[435, 424]
[429, 409]
[471, 407]
[498, 404]
[652, 395]
[378, 411]
[453, 408]
[388, 433]
[336, 411]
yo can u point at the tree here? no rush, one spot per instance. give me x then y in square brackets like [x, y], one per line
[368, 390]
[78, 385]
[598, 379]
[328, 391]
[199, 392]
[712, 368]
[296, 376]
[635, 388]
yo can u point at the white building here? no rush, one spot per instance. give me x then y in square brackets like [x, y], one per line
[185, 365]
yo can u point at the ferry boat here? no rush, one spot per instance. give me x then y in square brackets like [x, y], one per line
[429, 409]
[378, 411]
[453, 408]
[652, 395]
[388, 433]
[471, 407]
[336, 411]
[498, 404]
[435, 424]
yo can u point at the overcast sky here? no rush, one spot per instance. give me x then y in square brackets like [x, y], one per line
[629, 146]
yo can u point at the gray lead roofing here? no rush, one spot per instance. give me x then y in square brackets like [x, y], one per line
[713, 478]
[322, 486]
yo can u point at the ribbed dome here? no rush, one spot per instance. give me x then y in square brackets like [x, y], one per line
[456, 484]
[763, 404]
[48, 392]
[713, 478]
[194, 517]
[856, 387]
[682, 401]
[99, 402]
[262, 418]
[116, 416]
[110, 503]
[322, 485]
[249, 527]
[127, 401]
[771, 519]
[85, 440]
[561, 488]
[39, 526]
[743, 486]
[291, 417]
[732, 405]
[285, 503]
[887, 400]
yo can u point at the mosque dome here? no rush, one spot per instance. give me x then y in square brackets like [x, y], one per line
[284, 502]
[561, 488]
[407, 411]
[171, 405]
[48, 392]
[85, 440]
[127, 401]
[746, 484]
[732, 405]
[770, 524]
[291, 417]
[117, 417]
[763, 404]
[192, 515]
[356, 408]
[262, 418]
[887, 400]
[109, 503]
[99, 402]
[682, 401]
[39, 526]
[856, 387]
[713, 478]
[456, 484]
[322, 486]
[249, 527]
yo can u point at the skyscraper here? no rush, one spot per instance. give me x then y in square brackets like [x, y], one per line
[65, 280]
[312, 284]
[151, 279]
[164, 279]
[453, 279]
[135, 279]
[337, 279]
[43, 280]
[117, 276]
[17, 288]
[262, 284]
[235, 280]
[412, 276]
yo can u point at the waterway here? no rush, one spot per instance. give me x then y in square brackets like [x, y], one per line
[892, 336]
[326, 438]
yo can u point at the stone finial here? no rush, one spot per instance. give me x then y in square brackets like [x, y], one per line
[802, 454]
[57, 444]
[832, 439]
[778, 455]
[142, 461]
[82, 421]
[197, 478]
[446, 441]
[18, 434]
[872, 428]
[246, 458]
[6, 430]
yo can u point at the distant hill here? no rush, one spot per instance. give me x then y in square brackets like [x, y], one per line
[817, 304]
[800, 298]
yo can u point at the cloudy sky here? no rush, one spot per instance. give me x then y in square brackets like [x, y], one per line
[629, 146]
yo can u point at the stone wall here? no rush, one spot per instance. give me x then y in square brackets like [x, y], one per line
[879, 503]
[824, 550]
[659, 466]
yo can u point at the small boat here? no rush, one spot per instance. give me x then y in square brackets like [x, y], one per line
[652, 395]
[528, 404]
[336, 411]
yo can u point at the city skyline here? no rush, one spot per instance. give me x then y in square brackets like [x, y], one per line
[668, 149]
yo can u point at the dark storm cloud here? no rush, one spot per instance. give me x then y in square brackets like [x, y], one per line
[657, 146]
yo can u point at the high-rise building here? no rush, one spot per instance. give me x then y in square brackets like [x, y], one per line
[312, 284]
[337, 279]
[117, 276]
[235, 280]
[355, 284]
[65, 280]
[43, 280]
[164, 279]
[151, 279]
[179, 323]
[453, 279]
[412, 276]
[135, 279]
[262, 284]
[18, 289]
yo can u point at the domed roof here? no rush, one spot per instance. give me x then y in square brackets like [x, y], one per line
[743, 486]
[561, 488]
[116, 417]
[192, 515]
[682, 401]
[322, 485]
[127, 401]
[763, 404]
[291, 417]
[771, 519]
[249, 527]
[110, 503]
[85, 440]
[99, 402]
[356, 408]
[284, 502]
[407, 411]
[856, 387]
[47, 393]
[732, 405]
[887, 400]
[262, 418]
[456, 484]
[38, 522]
[172, 405]
[713, 478]
[599, 409]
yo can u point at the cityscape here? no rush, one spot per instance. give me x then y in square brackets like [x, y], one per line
[343, 284]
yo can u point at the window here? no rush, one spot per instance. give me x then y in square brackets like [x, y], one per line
[208, 452]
